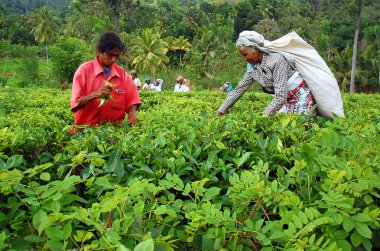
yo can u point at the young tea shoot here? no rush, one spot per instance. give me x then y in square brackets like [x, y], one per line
[108, 96]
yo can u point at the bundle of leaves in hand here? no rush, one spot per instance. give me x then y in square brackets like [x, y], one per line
[108, 96]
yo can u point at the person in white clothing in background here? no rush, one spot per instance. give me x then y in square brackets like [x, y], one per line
[181, 85]
[148, 85]
[136, 80]
[157, 85]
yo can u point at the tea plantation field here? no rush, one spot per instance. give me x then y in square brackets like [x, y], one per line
[181, 180]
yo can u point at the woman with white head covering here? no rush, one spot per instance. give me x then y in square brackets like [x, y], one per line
[274, 73]
[181, 85]
[157, 85]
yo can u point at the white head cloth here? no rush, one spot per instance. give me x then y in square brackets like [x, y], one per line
[256, 40]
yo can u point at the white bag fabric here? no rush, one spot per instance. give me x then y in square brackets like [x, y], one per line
[313, 70]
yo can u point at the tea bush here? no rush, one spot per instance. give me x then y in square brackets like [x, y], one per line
[181, 180]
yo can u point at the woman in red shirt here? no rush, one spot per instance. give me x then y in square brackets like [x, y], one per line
[90, 85]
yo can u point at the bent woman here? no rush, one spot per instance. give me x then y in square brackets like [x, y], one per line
[274, 73]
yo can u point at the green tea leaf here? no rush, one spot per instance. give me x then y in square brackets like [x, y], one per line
[344, 245]
[139, 207]
[67, 229]
[54, 233]
[146, 245]
[127, 223]
[116, 225]
[220, 145]
[243, 158]
[160, 210]
[303, 217]
[340, 234]
[210, 193]
[82, 235]
[367, 244]
[56, 206]
[309, 213]
[311, 239]
[277, 235]
[45, 176]
[363, 230]
[362, 218]
[2, 239]
[38, 218]
[55, 245]
[348, 225]
[259, 224]
[113, 236]
[356, 239]
[274, 186]
[207, 243]
[15, 161]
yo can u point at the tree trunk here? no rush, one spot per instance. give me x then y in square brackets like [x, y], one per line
[180, 61]
[117, 28]
[115, 6]
[355, 49]
[47, 56]
[2, 83]
[64, 84]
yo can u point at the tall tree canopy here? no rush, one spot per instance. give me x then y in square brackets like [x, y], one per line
[45, 22]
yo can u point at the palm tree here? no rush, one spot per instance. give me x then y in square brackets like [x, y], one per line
[46, 26]
[339, 63]
[207, 45]
[212, 43]
[265, 9]
[372, 52]
[127, 39]
[149, 50]
[116, 9]
[371, 72]
[180, 44]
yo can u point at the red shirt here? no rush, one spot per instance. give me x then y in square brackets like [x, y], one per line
[88, 78]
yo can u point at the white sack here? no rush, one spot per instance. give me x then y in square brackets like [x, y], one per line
[314, 71]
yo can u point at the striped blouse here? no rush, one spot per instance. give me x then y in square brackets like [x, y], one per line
[272, 73]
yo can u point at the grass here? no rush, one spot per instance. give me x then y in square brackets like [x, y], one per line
[43, 67]
[9, 68]
[8, 65]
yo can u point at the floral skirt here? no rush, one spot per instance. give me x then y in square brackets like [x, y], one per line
[299, 100]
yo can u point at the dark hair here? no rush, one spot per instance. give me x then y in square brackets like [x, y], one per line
[110, 41]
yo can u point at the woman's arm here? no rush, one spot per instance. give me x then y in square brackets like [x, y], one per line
[234, 95]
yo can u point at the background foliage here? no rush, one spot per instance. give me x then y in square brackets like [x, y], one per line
[180, 180]
[196, 37]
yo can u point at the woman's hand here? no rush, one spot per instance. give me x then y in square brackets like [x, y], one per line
[102, 91]
[132, 118]
[216, 115]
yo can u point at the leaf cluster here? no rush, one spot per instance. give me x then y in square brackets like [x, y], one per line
[180, 180]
